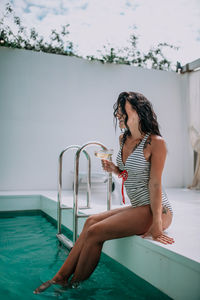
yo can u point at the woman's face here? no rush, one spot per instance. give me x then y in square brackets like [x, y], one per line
[120, 118]
[133, 118]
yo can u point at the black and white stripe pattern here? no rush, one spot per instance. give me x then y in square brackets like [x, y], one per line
[138, 169]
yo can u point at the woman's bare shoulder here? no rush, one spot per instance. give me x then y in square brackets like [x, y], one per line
[156, 142]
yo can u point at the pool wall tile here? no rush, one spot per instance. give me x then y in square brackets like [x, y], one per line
[20, 202]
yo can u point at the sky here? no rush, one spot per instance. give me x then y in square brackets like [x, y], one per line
[94, 23]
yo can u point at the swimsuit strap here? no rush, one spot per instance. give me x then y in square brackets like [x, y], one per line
[141, 143]
[144, 140]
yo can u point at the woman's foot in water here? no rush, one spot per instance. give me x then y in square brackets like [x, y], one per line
[55, 280]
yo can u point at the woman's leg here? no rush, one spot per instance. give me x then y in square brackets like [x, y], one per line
[70, 263]
[125, 223]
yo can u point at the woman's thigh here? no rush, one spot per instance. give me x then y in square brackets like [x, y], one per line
[132, 221]
[101, 216]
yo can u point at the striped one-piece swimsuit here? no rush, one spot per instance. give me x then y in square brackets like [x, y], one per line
[138, 169]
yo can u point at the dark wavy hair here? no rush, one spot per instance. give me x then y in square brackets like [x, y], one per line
[147, 117]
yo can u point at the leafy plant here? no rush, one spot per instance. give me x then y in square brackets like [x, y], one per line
[59, 43]
[131, 55]
[30, 39]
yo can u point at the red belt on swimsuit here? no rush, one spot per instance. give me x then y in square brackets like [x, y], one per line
[124, 176]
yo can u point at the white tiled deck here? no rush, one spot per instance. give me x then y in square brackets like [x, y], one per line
[185, 227]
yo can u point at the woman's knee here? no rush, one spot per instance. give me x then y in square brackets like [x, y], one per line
[89, 222]
[94, 233]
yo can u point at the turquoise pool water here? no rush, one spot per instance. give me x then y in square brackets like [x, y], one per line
[30, 252]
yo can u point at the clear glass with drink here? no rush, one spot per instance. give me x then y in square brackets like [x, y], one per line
[104, 154]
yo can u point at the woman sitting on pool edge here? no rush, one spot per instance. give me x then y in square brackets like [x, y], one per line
[142, 156]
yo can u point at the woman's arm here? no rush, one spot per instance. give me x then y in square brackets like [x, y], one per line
[158, 156]
[108, 166]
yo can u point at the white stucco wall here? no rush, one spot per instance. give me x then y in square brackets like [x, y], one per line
[48, 102]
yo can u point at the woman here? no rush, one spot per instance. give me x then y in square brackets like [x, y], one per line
[141, 158]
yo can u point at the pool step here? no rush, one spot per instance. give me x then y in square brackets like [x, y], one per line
[65, 241]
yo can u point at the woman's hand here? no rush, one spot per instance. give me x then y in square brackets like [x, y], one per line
[108, 166]
[156, 232]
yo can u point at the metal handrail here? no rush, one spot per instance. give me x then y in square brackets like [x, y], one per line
[59, 209]
[76, 175]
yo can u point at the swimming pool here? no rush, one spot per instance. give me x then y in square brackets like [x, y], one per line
[30, 253]
[173, 269]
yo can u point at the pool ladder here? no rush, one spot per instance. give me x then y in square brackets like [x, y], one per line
[61, 237]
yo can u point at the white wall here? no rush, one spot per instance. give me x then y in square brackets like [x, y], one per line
[48, 102]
